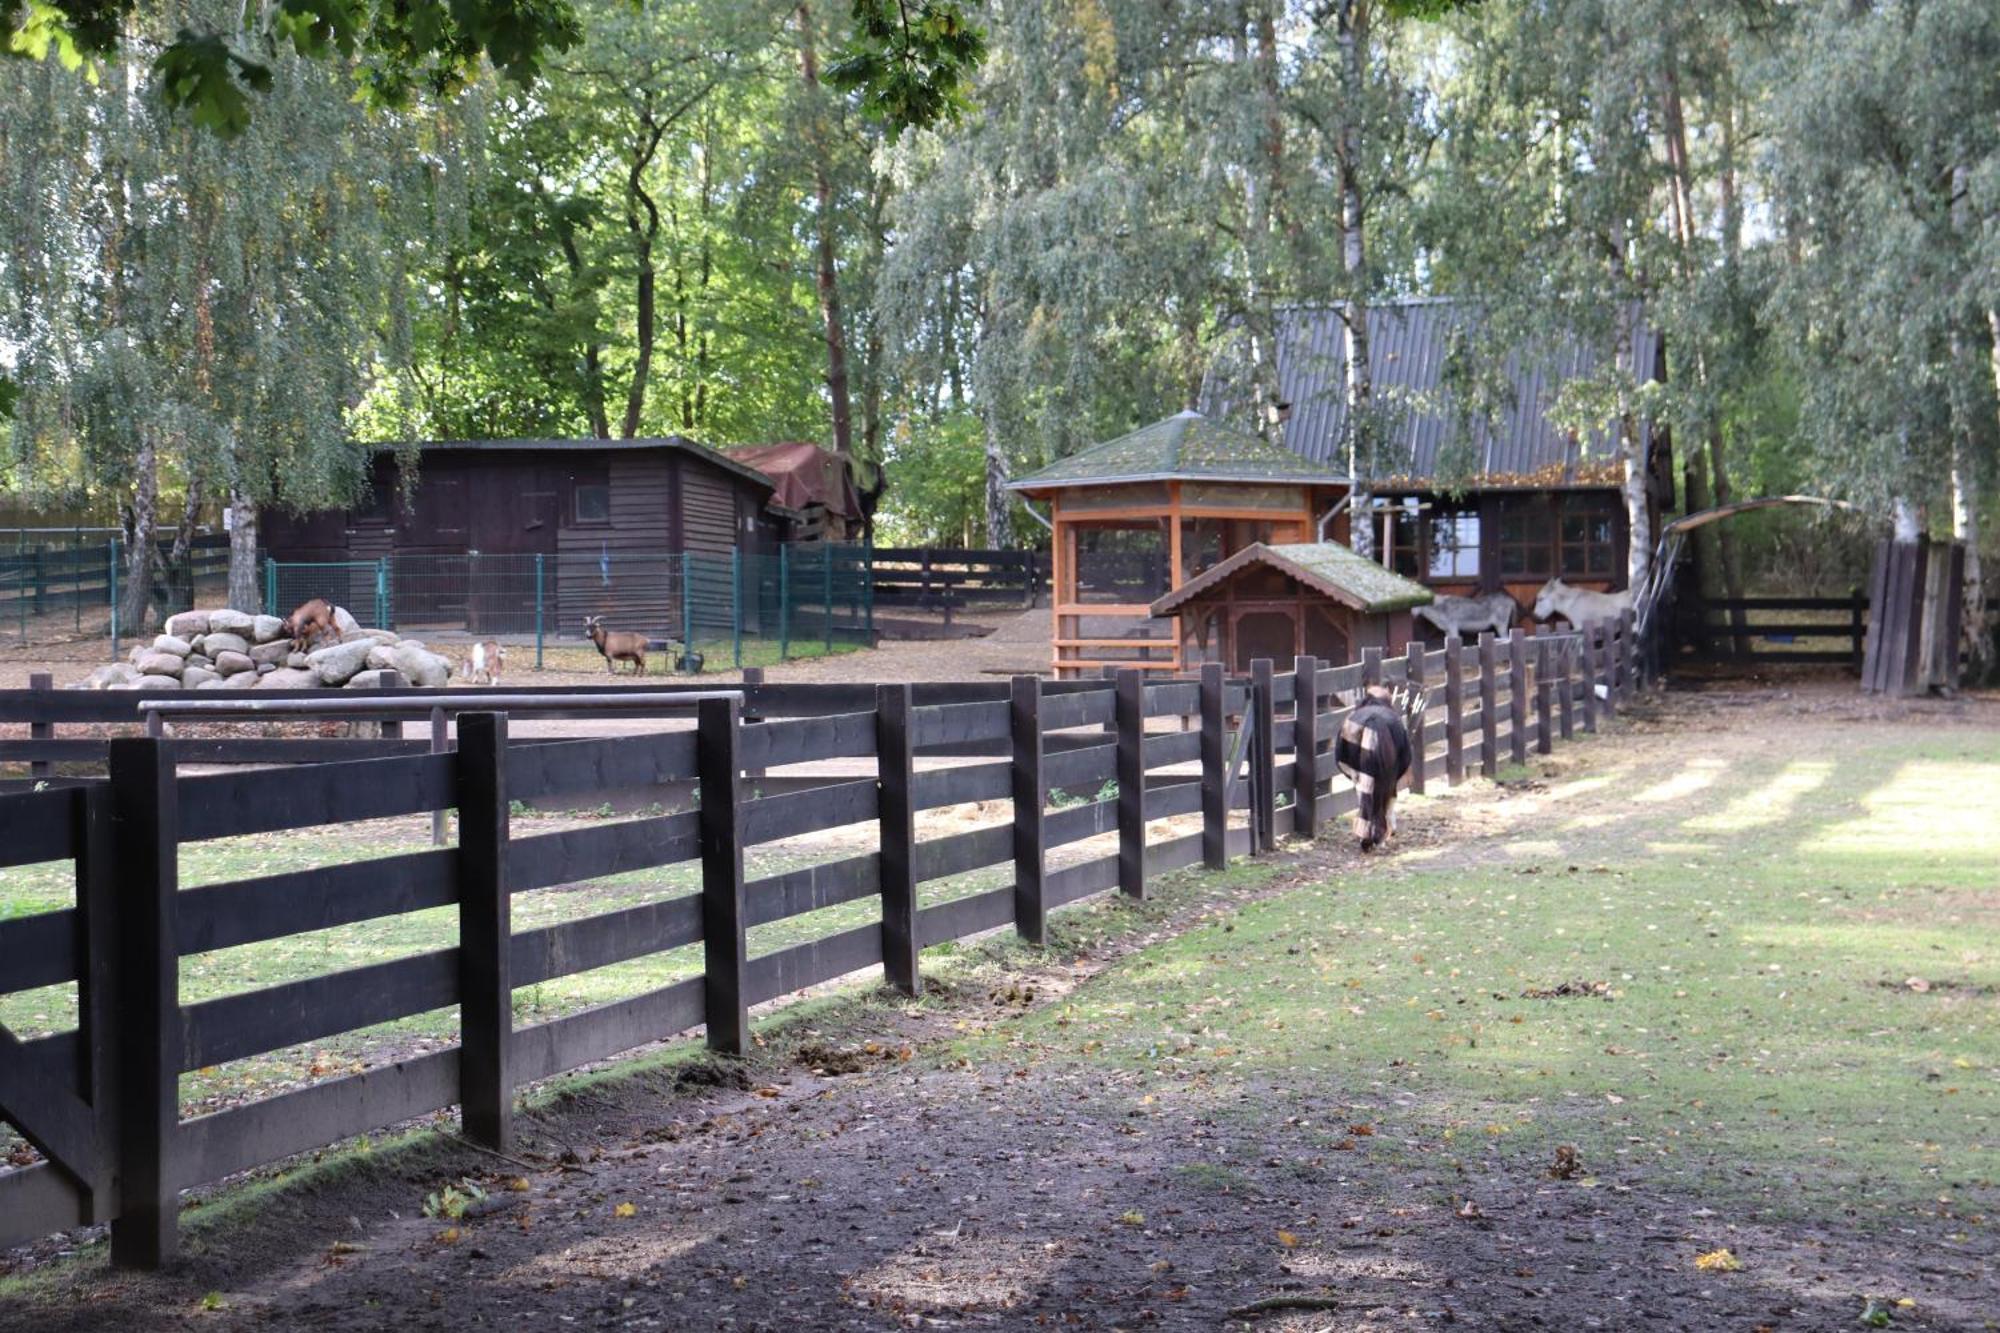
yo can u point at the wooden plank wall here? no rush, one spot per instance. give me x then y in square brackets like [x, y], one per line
[1173, 750]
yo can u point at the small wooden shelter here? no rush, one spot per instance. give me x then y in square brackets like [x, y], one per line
[1143, 515]
[1278, 601]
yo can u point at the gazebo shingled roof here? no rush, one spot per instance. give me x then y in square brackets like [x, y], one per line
[1328, 567]
[1184, 447]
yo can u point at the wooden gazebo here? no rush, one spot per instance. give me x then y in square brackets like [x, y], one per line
[1282, 600]
[1143, 515]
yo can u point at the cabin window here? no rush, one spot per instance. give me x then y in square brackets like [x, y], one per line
[1454, 544]
[1527, 538]
[1401, 536]
[590, 496]
[1589, 537]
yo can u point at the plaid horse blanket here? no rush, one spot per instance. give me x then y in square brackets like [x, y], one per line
[1374, 751]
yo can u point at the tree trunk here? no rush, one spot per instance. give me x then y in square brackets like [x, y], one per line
[1260, 191]
[137, 593]
[828, 275]
[244, 595]
[999, 500]
[644, 230]
[1351, 34]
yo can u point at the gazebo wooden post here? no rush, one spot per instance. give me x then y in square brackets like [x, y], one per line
[1174, 564]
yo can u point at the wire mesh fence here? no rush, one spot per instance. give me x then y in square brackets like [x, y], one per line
[63, 582]
[733, 608]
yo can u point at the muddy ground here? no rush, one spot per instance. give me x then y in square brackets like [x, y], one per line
[858, 1173]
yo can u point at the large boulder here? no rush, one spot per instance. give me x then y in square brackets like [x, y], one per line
[113, 673]
[243, 680]
[419, 666]
[369, 635]
[374, 679]
[263, 629]
[195, 677]
[234, 664]
[219, 641]
[152, 681]
[285, 678]
[336, 665]
[169, 643]
[162, 664]
[297, 661]
[225, 682]
[188, 624]
[273, 653]
[230, 622]
[199, 660]
[344, 621]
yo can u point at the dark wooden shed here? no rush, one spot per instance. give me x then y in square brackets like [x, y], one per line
[601, 514]
[1298, 597]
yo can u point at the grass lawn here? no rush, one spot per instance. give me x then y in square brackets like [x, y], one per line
[1771, 980]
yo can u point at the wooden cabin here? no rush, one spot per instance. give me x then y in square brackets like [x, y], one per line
[599, 514]
[1140, 516]
[1280, 600]
[1464, 503]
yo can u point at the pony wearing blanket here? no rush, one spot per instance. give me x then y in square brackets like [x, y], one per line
[1374, 751]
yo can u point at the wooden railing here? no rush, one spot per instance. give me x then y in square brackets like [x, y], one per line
[100, 1101]
[941, 579]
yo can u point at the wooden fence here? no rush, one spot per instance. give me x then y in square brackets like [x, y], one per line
[1774, 629]
[937, 579]
[101, 1103]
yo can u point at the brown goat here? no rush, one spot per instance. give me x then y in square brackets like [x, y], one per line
[483, 664]
[617, 645]
[308, 623]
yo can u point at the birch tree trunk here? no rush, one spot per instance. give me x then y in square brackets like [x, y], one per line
[1357, 374]
[1260, 191]
[999, 500]
[244, 594]
[134, 597]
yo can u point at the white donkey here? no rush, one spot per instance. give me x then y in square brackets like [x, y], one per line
[1579, 605]
[1470, 615]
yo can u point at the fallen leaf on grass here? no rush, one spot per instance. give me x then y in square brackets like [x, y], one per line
[1288, 1240]
[1567, 1163]
[625, 1210]
[1718, 1261]
[213, 1301]
[1132, 1218]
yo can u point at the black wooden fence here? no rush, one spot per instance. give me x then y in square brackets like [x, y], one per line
[100, 1102]
[938, 579]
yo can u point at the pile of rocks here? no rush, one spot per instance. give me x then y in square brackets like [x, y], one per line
[235, 650]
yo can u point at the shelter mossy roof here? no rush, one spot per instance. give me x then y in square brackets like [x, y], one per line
[1187, 446]
[1328, 567]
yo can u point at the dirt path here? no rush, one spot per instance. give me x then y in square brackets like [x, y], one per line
[859, 1172]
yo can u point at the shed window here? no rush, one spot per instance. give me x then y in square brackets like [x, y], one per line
[1527, 538]
[1589, 536]
[1401, 535]
[1454, 544]
[590, 496]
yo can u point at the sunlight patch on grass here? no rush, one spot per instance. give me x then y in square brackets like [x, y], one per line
[1694, 777]
[1925, 807]
[1771, 803]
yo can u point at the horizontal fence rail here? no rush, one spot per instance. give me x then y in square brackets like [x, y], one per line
[1170, 773]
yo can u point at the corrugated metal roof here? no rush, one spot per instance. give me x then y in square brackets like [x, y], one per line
[1186, 446]
[1409, 341]
[1328, 567]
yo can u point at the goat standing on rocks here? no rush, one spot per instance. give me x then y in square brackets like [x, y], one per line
[617, 645]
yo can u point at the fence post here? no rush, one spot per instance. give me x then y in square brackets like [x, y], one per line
[1544, 695]
[1607, 668]
[539, 603]
[1305, 746]
[1857, 625]
[1454, 708]
[41, 731]
[1565, 687]
[270, 586]
[383, 616]
[1371, 667]
[826, 575]
[1587, 661]
[1263, 758]
[724, 945]
[785, 602]
[1031, 909]
[1628, 654]
[736, 602]
[485, 933]
[1413, 657]
[1214, 767]
[113, 581]
[1130, 709]
[1489, 706]
[1517, 696]
[897, 819]
[440, 743]
[145, 814]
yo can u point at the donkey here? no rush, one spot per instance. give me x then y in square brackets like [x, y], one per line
[308, 623]
[1469, 615]
[1579, 605]
[617, 645]
[1374, 750]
